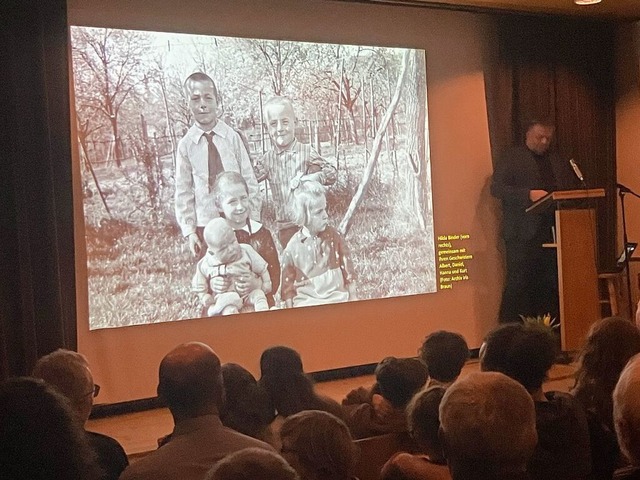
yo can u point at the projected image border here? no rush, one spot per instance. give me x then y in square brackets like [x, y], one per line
[362, 108]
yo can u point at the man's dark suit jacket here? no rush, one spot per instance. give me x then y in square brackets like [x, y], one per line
[517, 173]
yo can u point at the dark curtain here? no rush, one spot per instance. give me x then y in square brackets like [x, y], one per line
[37, 286]
[563, 70]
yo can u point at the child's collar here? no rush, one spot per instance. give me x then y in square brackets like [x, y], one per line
[252, 226]
[288, 148]
[196, 132]
[306, 233]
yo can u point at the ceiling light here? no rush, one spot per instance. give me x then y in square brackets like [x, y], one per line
[586, 2]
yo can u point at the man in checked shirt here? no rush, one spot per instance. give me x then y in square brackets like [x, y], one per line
[288, 162]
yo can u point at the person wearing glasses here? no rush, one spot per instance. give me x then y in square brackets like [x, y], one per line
[69, 373]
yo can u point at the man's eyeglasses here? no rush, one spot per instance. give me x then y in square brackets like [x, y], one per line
[94, 393]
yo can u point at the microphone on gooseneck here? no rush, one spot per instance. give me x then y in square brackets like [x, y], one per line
[576, 170]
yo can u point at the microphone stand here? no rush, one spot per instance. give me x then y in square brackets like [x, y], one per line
[622, 191]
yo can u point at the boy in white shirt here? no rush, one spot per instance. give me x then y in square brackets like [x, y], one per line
[208, 148]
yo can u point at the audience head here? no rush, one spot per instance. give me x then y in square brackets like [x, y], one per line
[68, 372]
[252, 464]
[318, 445]
[445, 353]
[424, 421]
[190, 381]
[626, 411]
[283, 378]
[246, 407]
[524, 352]
[398, 379]
[610, 344]
[40, 435]
[488, 426]
[280, 360]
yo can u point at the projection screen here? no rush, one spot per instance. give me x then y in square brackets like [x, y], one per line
[358, 127]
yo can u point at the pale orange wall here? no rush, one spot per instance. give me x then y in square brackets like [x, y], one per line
[125, 360]
[628, 135]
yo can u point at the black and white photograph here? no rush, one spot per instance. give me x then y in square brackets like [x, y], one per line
[225, 175]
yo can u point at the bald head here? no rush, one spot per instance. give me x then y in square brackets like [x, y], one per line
[68, 372]
[626, 410]
[488, 423]
[190, 380]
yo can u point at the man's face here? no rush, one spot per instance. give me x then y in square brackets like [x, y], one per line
[203, 104]
[281, 124]
[539, 138]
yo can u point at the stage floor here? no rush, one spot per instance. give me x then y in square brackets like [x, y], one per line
[138, 432]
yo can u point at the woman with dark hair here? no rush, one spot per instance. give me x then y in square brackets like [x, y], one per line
[246, 407]
[318, 446]
[424, 424]
[40, 435]
[289, 388]
[610, 344]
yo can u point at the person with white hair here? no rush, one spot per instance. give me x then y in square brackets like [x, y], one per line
[626, 418]
[252, 464]
[68, 372]
[488, 427]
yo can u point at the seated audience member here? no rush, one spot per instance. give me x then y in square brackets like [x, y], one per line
[488, 427]
[247, 408]
[40, 435]
[252, 464]
[626, 418]
[424, 425]
[445, 353]
[318, 446]
[289, 388]
[526, 353]
[610, 344]
[380, 409]
[69, 373]
[190, 382]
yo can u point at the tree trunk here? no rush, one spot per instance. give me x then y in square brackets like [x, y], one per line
[375, 149]
[352, 125]
[117, 147]
[417, 167]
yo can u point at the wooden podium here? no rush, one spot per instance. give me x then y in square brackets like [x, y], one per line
[576, 249]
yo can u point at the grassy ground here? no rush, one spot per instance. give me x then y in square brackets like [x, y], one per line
[139, 268]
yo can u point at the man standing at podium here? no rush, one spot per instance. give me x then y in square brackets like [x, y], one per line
[523, 175]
